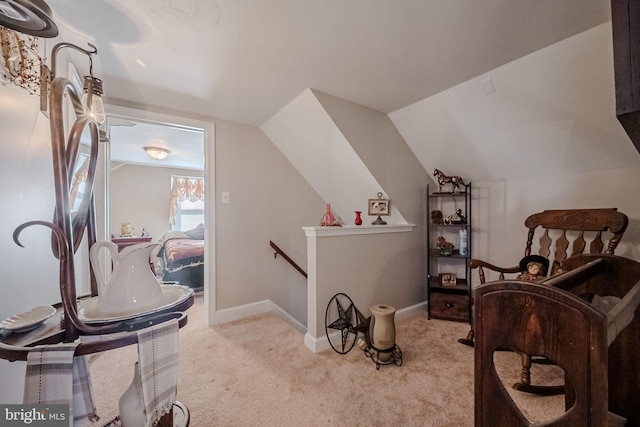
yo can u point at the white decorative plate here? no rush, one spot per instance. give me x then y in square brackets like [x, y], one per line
[28, 320]
[172, 295]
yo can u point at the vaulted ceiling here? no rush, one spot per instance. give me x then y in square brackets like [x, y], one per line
[243, 60]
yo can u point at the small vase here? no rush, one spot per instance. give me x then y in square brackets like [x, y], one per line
[131, 404]
[328, 217]
[358, 218]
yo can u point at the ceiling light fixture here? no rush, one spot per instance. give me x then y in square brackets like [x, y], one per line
[21, 23]
[157, 153]
[31, 17]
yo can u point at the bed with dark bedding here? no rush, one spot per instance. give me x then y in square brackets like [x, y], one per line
[182, 260]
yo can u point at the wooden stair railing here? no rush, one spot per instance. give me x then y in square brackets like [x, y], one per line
[286, 257]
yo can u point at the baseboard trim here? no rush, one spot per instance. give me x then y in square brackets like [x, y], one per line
[242, 311]
[412, 310]
[315, 344]
[227, 315]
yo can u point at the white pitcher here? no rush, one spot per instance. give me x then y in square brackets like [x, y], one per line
[132, 288]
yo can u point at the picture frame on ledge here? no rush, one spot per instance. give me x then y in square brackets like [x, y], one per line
[379, 207]
[448, 280]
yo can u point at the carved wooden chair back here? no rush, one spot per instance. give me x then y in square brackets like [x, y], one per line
[558, 235]
[584, 225]
[562, 233]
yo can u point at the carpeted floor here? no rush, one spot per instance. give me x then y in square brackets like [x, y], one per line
[258, 372]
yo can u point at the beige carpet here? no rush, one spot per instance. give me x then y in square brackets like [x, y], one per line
[258, 372]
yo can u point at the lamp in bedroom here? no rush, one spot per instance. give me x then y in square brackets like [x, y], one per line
[157, 153]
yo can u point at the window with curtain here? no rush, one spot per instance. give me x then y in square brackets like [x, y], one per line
[186, 209]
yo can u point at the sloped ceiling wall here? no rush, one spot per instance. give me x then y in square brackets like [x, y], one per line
[348, 153]
[549, 113]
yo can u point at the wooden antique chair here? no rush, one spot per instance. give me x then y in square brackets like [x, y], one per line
[557, 234]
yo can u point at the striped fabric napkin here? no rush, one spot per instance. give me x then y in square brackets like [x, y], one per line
[55, 376]
[158, 362]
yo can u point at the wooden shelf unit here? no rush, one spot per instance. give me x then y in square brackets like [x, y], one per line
[445, 301]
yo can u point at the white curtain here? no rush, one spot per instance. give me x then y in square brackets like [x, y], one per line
[182, 189]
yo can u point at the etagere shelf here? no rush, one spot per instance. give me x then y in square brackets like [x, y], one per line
[448, 272]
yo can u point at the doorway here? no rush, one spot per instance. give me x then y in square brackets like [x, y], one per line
[136, 192]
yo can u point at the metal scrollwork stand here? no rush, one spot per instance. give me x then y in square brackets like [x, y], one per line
[344, 322]
[384, 357]
[67, 233]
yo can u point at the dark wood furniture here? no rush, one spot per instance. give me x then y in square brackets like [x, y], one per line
[449, 301]
[123, 242]
[598, 351]
[558, 234]
[625, 23]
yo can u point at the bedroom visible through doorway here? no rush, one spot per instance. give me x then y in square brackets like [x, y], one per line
[139, 190]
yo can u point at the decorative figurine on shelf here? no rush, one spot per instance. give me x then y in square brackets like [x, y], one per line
[436, 217]
[443, 179]
[459, 218]
[446, 248]
[533, 268]
[126, 229]
[456, 218]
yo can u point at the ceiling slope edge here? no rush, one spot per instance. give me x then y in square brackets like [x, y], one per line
[312, 142]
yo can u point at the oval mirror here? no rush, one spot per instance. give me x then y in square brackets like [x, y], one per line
[74, 160]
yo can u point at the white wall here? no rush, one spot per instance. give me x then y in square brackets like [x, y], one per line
[269, 200]
[30, 274]
[140, 195]
[538, 133]
[384, 153]
[500, 209]
[370, 268]
[310, 139]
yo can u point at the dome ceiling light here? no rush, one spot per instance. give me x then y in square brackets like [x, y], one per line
[157, 153]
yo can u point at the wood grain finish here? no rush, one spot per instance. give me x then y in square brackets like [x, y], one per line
[625, 18]
[559, 234]
[450, 306]
[553, 320]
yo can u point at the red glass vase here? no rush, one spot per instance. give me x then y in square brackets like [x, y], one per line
[358, 218]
